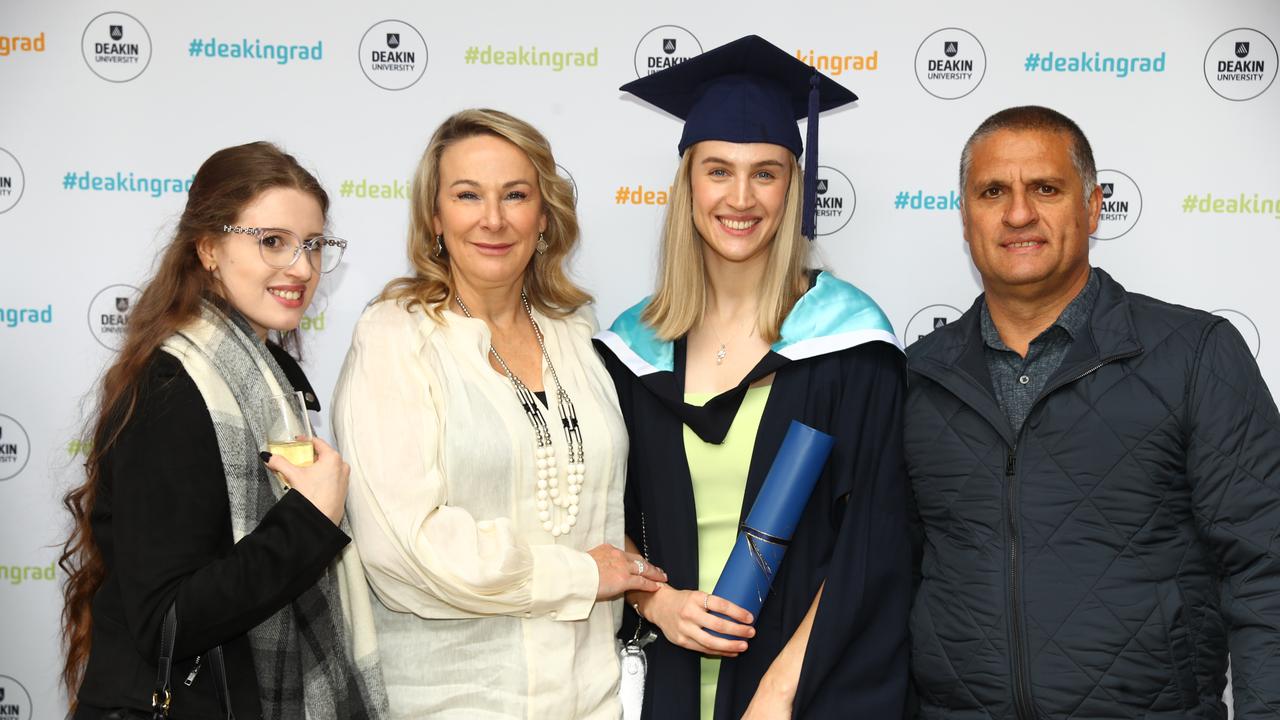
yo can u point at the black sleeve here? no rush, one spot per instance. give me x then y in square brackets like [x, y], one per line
[856, 660]
[916, 532]
[622, 383]
[171, 527]
[1233, 463]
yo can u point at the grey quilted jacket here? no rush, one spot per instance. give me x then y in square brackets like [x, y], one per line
[1099, 563]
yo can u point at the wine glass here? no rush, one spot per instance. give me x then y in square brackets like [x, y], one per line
[289, 430]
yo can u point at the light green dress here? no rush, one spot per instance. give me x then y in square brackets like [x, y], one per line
[719, 475]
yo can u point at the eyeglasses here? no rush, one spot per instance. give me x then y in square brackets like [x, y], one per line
[280, 248]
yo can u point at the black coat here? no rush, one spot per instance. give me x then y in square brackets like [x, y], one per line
[852, 535]
[163, 523]
[1095, 564]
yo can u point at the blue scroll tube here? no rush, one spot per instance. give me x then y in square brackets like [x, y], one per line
[763, 538]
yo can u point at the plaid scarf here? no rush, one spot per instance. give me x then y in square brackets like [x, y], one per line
[316, 658]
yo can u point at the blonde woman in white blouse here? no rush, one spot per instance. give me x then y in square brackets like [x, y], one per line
[486, 447]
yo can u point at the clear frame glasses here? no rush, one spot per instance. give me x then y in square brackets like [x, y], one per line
[280, 248]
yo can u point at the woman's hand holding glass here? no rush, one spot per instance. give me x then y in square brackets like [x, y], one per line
[302, 461]
[324, 482]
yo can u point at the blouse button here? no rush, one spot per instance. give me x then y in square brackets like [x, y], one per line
[1024, 379]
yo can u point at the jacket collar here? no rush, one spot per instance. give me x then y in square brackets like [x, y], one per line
[953, 355]
[297, 378]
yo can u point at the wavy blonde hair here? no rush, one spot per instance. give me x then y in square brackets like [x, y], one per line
[546, 280]
[680, 301]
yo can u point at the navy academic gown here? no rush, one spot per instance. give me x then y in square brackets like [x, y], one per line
[838, 369]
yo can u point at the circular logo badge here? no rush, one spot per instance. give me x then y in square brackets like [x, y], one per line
[927, 319]
[15, 701]
[950, 63]
[1240, 64]
[564, 173]
[1121, 204]
[1247, 327]
[12, 181]
[15, 450]
[393, 55]
[116, 47]
[109, 314]
[836, 201]
[663, 47]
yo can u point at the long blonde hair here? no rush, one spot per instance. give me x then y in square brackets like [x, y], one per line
[680, 301]
[546, 280]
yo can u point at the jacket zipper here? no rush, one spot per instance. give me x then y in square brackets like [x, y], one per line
[1021, 687]
[1023, 706]
[194, 670]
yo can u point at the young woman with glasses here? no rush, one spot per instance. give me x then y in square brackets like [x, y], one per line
[179, 517]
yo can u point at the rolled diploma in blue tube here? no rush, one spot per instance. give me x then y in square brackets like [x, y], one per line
[763, 539]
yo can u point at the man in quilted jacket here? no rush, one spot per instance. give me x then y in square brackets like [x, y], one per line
[1096, 472]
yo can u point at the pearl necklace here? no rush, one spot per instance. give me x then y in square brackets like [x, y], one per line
[558, 511]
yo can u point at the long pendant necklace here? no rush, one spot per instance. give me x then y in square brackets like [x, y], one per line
[557, 509]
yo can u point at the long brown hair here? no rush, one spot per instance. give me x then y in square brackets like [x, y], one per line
[546, 279]
[227, 182]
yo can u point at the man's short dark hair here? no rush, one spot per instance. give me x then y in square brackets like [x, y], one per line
[1035, 117]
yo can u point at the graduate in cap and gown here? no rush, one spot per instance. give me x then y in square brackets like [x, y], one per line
[741, 337]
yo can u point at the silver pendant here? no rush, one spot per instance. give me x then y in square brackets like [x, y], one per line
[720, 355]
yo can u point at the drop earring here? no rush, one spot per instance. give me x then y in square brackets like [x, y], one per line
[440, 245]
[541, 246]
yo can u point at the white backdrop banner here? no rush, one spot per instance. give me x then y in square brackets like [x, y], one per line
[109, 108]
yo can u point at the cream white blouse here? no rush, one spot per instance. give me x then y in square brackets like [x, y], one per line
[483, 613]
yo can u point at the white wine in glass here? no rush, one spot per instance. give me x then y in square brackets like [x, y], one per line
[299, 452]
[289, 430]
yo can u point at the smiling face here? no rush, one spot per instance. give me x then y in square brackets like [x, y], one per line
[739, 196]
[1025, 216]
[270, 298]
[489, 210]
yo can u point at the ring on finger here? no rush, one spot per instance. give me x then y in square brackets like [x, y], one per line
[639, 567]
[706, 598]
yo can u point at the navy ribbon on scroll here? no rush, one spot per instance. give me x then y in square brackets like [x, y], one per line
[763, 538]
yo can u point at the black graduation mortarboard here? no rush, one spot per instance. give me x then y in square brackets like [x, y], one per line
[748, 91]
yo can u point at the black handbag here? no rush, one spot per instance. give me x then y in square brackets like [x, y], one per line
[162, 696]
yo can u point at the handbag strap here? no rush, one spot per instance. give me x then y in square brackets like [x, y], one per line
[637, 640]
[220, 681]
[162, 695]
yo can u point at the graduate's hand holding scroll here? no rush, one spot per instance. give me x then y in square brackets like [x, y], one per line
[684, 616]
[621, 572]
